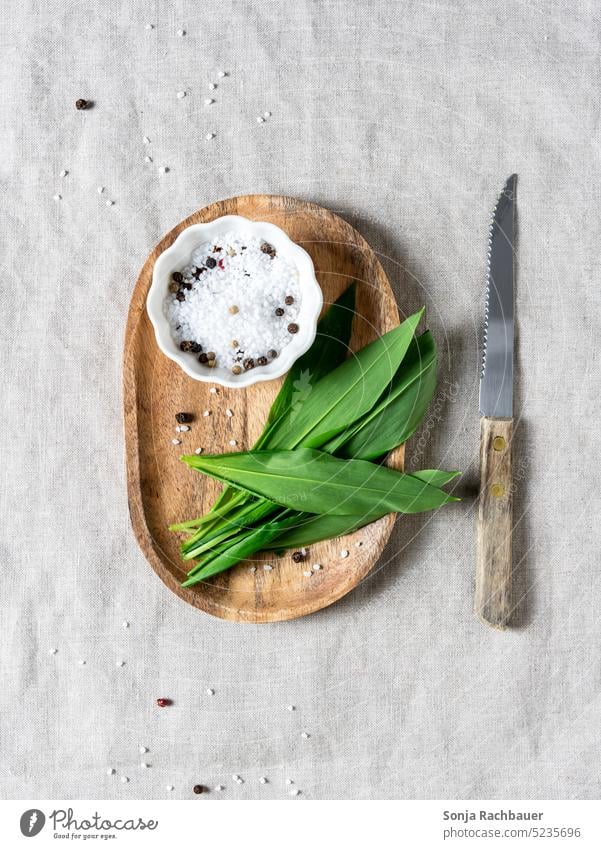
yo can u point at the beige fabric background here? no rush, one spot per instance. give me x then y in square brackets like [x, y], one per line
[405, 118]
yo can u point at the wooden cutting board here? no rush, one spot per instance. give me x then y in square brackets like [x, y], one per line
[161, 490]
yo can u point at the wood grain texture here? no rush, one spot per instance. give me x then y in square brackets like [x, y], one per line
[492, 602]
[162, 490]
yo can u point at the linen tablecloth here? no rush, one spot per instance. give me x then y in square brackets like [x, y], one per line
[405, 118]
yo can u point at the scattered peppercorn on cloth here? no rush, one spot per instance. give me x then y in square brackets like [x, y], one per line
[405, 118]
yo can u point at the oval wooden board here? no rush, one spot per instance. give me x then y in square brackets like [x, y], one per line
[162, 490]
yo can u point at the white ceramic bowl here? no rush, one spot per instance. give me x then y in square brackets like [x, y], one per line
[178, 255]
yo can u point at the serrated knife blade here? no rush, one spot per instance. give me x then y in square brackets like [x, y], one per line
[496, 378]
[492, 601]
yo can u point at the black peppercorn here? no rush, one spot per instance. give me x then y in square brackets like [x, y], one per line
[268, 249]
[184, 418]
[177, 276]
[193, 347]
[198, 789]
[180, 296]
[248, 363]
[288, 300]
[298, 556]
[293, 328]
[279, 311]
[203, 358]
[210, 262]
[272, 353]
[80, 103]
[262, 361]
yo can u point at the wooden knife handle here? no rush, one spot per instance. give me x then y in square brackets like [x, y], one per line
[492, 602]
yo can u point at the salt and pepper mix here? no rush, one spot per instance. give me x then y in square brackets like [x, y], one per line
[235, 304]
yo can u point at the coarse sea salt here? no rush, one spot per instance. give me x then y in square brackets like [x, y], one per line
[235, 289]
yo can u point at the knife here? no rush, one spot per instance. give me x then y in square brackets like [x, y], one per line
[492, 603]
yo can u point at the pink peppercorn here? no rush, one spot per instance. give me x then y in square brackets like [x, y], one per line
[164, 702]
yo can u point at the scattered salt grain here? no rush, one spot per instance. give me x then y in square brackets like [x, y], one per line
[206, 413]
[295, 792]
[146, 140]
[239, 781]
[63, 173]
[290, 707]
[125, 623]
[81, 662]
[176, 442]
[163, 169]
[307, 574]
[148, 159]
[181, 32]
[110, 202]
[229, 413]
[209, 101]
[267, 567]
[210, 136]
[110, 771]
[120, 663]
[142, 750]
[233, 442]
[222, 73]
[57, 197]
[252, 569]
[267, 114]
[212, 86]
[236, 777]
[210, 691]
[100, 189]
[53, 651]
[316, 567]
[198, 451]
[184, 428]
[213, 390]
[219, 788]
[181, 94]
[260, 119]
[289, 781]
[344, 553]
[170, 787]
[263, 780]
[124, 779]
[304, 735]
[144, 765]
[358, 544]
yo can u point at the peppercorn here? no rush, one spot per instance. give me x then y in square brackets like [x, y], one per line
[184, 418]
[203, 358]
[177, 276]
[180, 296]
[198, 788]
[268, 249]
[234, 343]
[192, 347]
[262, 361]
[272, 353]
[293, 328]
[174, 287]
[279, 311]
[210, 262]
[211, 355]
[164, 702]
[298, 556]
[248, 363]
[288, 300]
[80, 103]
[234, 309]
[212, 363]
[236, 370]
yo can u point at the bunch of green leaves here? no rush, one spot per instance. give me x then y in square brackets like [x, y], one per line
[310, 476]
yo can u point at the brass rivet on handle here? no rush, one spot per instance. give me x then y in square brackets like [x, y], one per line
[499, 443]
[497, 490]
